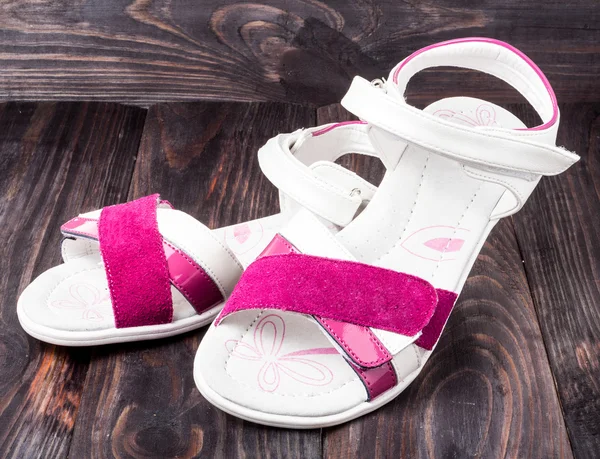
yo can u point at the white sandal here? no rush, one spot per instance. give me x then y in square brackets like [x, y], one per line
[333, 321]
[157, 272]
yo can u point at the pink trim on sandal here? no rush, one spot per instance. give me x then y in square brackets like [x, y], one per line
[336, 125]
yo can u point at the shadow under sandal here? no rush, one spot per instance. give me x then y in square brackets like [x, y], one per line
[332, 322]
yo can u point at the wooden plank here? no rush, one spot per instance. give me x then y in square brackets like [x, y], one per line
[487, 390]
[141, 399]
[560, 241]
[55, 160]
[144, 52]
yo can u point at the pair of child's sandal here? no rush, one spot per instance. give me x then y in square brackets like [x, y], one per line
[347, 290]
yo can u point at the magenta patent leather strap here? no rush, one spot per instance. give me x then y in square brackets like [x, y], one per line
[358, 341]
[181, 271]
[191, 280]
[377, 380]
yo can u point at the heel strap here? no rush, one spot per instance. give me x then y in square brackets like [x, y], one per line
[490, 56]
[294, 164]
[491, 148]
[530, 151]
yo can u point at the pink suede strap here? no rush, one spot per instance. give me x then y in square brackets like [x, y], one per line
[135, 263]
[306, 286]
[358, 341]
[366, 354]
[348, 291]
[181, 270]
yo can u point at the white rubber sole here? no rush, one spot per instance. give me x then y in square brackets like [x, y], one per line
[115, 335]
[298, 422]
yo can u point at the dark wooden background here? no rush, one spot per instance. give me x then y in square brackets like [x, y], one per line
[517, 371]
[305, 51]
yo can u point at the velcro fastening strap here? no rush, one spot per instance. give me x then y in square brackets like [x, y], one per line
[479, 146]
[346, 291]
[135, 263]
[358, 342]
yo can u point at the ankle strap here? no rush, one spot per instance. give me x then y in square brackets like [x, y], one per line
[530, 151]
[295, 164]
[489, 147]
[490, 56]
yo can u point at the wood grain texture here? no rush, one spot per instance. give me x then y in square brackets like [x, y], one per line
[140, 399]
[145, 51]
[487, 390]
[559, 236]
[55, 160]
